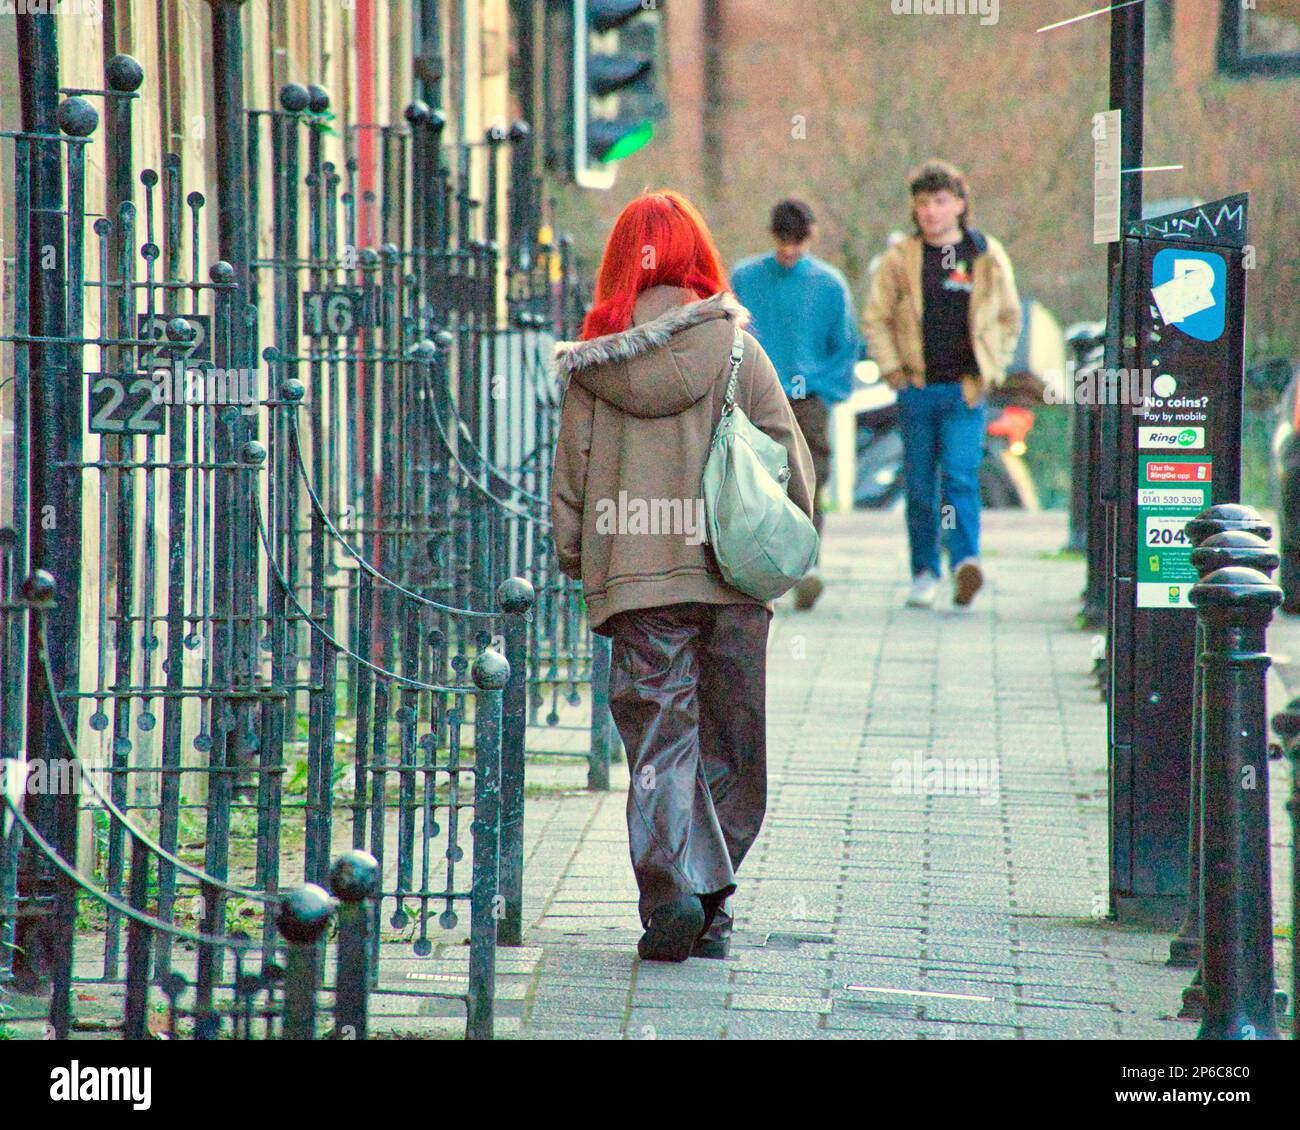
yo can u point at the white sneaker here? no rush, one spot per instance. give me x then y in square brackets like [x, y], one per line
[924, 587]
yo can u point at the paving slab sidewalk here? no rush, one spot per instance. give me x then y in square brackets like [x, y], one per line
[872, 906]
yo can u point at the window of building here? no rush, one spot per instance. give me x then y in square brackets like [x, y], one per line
[1260, 37]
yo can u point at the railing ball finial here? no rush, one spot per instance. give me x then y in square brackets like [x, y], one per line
[491, 671]
[416, 112]
[516, 595]
[293, 390]
[222, 273]
[294, 97]
[180, 330]
[305, 913]
[519, 130]
[355, 876]
[77, 117]
[38, 589]
[319, 98]
[253, 453]
[444, 340]
[123, 74]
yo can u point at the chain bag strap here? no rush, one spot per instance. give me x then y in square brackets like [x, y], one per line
[737, 355]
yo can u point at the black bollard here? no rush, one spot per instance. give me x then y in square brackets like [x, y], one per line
[1287, 723]
[354, 879]
[1252, 552]
[1234, 606]
[1293, 806]
[1218, 551]
[303, 919]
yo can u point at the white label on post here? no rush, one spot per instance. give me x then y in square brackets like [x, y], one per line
[1105, 176]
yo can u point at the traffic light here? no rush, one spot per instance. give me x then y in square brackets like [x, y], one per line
[614, 106]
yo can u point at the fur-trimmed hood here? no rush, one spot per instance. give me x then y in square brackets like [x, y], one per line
[671, 355]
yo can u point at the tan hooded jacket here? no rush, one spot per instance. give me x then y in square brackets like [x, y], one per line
[639, 412]
[891, 320]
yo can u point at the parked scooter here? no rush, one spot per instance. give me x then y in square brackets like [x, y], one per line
[1005, 481]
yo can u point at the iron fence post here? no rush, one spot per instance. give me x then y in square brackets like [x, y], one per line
[516, 600]
[354, 879]
[123, 75]
[232, 517]
[1234, 605]
[304, 917]
[602, 722]
[491, 673]
[54, 512]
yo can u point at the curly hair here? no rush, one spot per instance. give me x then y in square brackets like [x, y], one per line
[940, 176]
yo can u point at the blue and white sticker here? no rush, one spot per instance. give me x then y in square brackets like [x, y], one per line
[1190, 291]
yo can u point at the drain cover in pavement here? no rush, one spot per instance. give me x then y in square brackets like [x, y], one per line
[787, 941]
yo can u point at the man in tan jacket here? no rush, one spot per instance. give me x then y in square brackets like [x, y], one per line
[942, 320]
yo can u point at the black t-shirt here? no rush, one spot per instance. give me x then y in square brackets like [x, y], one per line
[946, 276]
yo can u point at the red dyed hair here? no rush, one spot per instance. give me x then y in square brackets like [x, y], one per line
[659, 239]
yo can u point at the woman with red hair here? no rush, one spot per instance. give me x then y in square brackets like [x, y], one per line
[644, 391]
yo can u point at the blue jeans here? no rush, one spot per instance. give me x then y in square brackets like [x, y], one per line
[943, 444]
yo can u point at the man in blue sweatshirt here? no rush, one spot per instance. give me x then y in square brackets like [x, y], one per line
[805, 321]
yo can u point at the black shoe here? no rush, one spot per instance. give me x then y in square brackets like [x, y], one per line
[715, 942]
[673, 929]
[807, 591]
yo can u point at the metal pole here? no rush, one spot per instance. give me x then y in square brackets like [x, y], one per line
[1239, 547]
[54, 513]
[515, 597]
[1127, 70]
[232, 514]
[303, 919]
[491, 673]
[1251, 551]
[602, 722]
[354, 879]
[1234, 606]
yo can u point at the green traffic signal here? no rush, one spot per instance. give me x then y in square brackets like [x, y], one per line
[612, 141]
